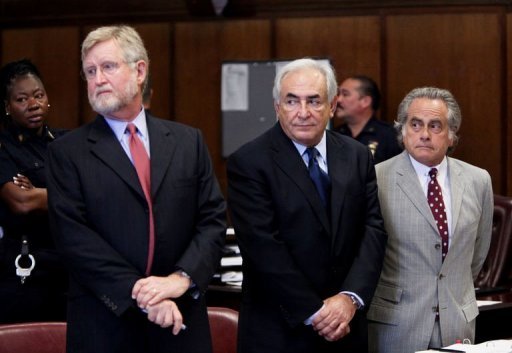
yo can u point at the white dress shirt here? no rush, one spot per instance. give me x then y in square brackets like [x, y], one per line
[443, 178]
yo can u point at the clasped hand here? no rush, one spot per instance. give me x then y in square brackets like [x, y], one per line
[153, 295]
[332, 321]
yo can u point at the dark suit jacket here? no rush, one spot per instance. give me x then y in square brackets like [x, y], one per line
[100, 220]
[295, 254]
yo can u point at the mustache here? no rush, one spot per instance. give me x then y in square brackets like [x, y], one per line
[101, 90]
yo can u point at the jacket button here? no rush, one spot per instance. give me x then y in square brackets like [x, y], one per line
[438, 246]
[441, 276]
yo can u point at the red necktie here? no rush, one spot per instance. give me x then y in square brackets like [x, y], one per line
[438, 208]
[141, 162]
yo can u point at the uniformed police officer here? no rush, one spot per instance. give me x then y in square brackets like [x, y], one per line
[358, 100]
[32, 280]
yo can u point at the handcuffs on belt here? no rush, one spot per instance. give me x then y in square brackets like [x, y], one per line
[24, 272]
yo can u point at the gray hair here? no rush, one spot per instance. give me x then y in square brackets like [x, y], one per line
[128, 40]
[454, 114]
[306, 63]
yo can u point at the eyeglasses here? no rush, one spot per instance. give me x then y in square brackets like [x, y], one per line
[107, 68]
[291, 104]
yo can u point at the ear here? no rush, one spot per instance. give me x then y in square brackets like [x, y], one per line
[333, 105]
[366, 101]
[451, 138]
[142, 71]
[276, 107]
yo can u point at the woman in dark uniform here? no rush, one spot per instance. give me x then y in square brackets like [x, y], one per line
[38, 295]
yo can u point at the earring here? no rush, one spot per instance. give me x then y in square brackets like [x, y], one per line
[7, 113]
[48, 105]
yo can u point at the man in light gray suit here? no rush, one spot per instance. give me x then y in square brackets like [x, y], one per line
[425, 296]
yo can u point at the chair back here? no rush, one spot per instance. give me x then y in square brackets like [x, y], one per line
[38, 337]
[497, 268]
[223, 328]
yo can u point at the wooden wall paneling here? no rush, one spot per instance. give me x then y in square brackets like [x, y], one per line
[200, 48]
[54, 50]
[157, 39]
[86, 112]
[462, 53]
[507, 114]
[16, 13]
[351, 43]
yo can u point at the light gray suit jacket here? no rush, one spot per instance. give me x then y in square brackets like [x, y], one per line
[414, 281]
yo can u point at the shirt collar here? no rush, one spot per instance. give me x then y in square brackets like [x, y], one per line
[321, 147]
[22, 135]
[119, 127]
[422, 170]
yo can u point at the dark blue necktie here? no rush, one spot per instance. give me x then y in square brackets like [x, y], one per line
[319, 177]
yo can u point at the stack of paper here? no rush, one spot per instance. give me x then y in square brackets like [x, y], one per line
[497, 346]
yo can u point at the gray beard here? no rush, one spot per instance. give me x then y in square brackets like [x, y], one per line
[113, 103]
[106, 106]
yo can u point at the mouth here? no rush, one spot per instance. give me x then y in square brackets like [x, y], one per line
[35, 118]
[99, 93]
[424, 147]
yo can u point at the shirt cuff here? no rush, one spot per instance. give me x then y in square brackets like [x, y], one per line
[309, 320]
[355, 297]
[192, 289]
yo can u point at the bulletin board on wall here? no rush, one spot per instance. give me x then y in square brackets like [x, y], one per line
[246, 101]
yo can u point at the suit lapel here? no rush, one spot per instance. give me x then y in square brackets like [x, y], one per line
[105, 147]
[338, 173]
[291, 163]
[407, 181]
[163, 145]
[457, 186]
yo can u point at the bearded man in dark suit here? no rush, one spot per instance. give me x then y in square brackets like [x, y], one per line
[136, 211]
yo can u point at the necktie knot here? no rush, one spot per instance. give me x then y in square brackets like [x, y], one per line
[132, 129]
[312, 153]
[433, 173]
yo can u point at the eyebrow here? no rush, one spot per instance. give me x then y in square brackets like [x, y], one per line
[291, 95]
[435, 119]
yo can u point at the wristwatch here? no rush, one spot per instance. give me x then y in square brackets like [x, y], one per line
[186, 275]
[355, 301]
[183, 274]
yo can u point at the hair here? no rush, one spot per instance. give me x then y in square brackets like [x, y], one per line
[146, 92]
[368, 88]
[306, 63]
[9, 73]
[454, 114]
[128, 40]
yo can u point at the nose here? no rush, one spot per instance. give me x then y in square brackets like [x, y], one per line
[425, 133]
[303, 111]
[100, 77]
[33, 103]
